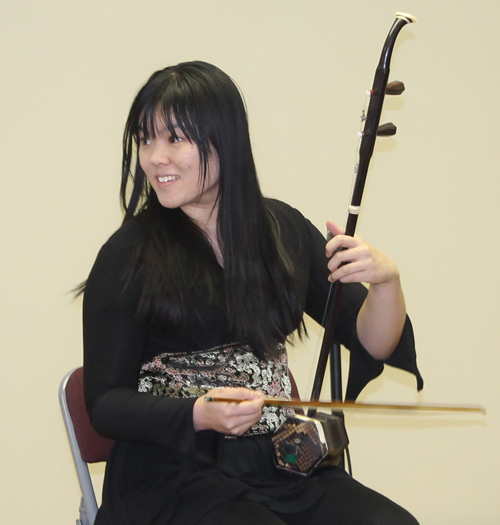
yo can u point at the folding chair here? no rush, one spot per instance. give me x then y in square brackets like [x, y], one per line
[86, 445]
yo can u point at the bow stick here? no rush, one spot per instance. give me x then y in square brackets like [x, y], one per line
[368, 136]
[348, 404]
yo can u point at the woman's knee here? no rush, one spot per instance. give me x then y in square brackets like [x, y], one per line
[241, 512]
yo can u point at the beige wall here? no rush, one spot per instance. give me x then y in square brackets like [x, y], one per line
[69, 70]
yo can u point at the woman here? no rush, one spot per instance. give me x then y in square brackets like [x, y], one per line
[197, 292]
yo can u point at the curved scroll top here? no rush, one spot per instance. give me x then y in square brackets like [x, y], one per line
[406, 16]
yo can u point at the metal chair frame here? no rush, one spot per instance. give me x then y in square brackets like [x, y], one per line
[81, 447]
[88, 503]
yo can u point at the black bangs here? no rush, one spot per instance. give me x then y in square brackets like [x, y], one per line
[174, 98]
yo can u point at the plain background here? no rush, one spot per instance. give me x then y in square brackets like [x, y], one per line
[70, 70]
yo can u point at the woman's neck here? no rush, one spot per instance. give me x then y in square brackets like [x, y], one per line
[206, 219]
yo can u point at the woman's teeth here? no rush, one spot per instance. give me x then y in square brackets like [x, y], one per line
[168, 178]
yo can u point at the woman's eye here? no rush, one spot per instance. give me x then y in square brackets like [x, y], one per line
[144, 141]
[173, 139]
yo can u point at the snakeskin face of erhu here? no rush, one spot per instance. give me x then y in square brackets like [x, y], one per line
[302, 444]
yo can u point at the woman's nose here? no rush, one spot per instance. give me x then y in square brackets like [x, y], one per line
[159, 153]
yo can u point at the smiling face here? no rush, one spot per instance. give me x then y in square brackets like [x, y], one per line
[173, 168]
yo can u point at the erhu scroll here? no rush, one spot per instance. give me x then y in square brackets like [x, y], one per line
[368, 135]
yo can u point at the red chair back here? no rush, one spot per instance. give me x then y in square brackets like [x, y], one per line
[93, 447]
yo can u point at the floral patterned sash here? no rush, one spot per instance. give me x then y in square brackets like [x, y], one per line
[193, 374]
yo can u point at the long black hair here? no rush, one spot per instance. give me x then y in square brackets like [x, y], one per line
[257, 283]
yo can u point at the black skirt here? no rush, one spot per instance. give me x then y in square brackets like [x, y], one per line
[148, 484]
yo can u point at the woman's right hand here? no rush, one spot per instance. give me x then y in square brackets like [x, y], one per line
[228, 418]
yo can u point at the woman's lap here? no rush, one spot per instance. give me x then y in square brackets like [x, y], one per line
[241, 512]
[346, 502]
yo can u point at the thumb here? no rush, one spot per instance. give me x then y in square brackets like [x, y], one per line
[243, 393]
[334, 229]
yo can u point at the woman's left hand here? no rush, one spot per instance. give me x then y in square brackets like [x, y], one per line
[365, 263]
[382, 316]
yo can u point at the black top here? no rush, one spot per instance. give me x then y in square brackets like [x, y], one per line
[157, 433]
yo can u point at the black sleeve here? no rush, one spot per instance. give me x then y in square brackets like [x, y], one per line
[114, 341]
[308, 247]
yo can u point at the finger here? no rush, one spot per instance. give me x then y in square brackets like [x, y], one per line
[348, 256]
[239, 400]
[235, 393]
[350, 275]
[237, 424]
[246, 410]
[362, 269]
[334, 229]
[244, 393]
[341, 242]
[226, 418]
[244, 421]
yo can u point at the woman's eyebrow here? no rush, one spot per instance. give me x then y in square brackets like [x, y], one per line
[174, 128]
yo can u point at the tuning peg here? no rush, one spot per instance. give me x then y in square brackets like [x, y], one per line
[386, 130]
[395, 88]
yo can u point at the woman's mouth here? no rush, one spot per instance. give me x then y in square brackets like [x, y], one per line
[168, 178]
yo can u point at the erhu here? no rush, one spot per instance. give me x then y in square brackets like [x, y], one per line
[303, 444]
